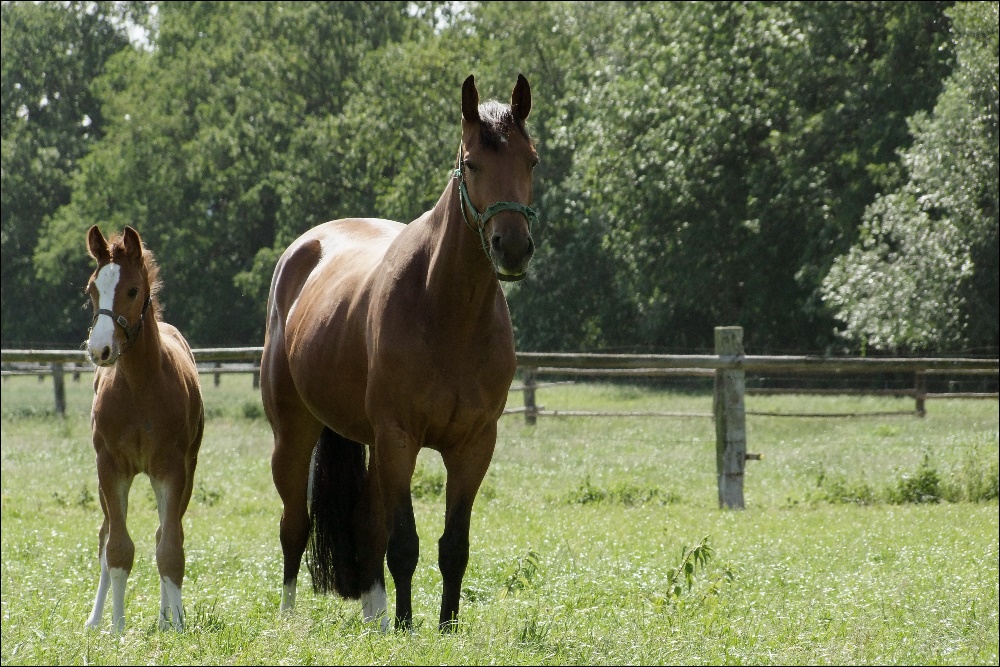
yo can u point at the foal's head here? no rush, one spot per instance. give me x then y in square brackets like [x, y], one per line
[121, 291]
[496, 162]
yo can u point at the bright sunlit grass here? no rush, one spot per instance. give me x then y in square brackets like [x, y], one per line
[577, 537]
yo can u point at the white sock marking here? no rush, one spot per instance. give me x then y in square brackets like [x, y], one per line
[102, 592]
[374, 606]
[119, 577]
[171, 608]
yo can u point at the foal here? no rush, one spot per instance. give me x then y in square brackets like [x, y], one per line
[147, 417]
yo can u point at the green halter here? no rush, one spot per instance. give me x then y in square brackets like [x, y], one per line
[529, 213]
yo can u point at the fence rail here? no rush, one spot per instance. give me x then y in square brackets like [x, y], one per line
[728, 367]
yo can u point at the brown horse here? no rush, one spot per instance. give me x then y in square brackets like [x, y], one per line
[147, 417]
[397, 337]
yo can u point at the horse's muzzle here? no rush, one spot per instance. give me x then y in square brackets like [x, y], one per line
[511, 253]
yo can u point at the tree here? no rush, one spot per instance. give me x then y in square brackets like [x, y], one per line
[196, 155]
[724, 153]
[923, 275]
[51, 54]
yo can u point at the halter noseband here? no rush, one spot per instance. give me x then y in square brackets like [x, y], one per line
[120, 320]
[530, 214]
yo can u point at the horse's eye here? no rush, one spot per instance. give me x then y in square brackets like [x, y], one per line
[472, 167]
[132, 293]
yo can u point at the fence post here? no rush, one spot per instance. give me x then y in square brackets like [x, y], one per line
[256, 376]
[59, 385]
[920, 390]
[218, 376]
[530, 411]
[730, 419]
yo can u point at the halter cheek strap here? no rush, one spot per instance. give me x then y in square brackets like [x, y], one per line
[122, 321]
[530, 214]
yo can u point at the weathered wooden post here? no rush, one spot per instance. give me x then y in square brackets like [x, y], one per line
[218, 376]
[730, 418]
[920, 390]
[530, 410]
[59, 385]
[256, 375]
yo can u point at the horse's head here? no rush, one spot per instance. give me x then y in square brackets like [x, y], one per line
[496, 161]
[120, 290]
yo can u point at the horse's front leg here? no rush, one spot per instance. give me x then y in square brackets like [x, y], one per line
[116, 551]
[105, 581]
[170, 491]
[402, 555]
[466, 466]
[393, 531]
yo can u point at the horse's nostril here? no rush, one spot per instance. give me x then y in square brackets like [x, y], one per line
[105, 353]
[496, 241]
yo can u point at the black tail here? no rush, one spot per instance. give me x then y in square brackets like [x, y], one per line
[338, 477]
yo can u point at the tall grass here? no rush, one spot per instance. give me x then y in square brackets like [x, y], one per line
[594, 541]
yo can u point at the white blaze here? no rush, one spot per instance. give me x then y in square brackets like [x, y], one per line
[103, 334]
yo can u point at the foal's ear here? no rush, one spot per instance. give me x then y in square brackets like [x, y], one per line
[98, 245]
[470, 100]
[520, 99]
[133, 244]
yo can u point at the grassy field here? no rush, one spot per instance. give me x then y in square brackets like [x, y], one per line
[594, 541]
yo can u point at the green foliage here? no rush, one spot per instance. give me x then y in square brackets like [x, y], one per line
[752, 134]
[924, 486]
[782, 165]
[201, 147]
[253, 410]
[427, 484]
[521, 574]
[626, 494]
[924, 273]
[51, 118]
[837, 489]
[972, 480]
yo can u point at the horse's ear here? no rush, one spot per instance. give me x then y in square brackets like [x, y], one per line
[470, 100]
[133, 244]
[520, 99]
[98, 245]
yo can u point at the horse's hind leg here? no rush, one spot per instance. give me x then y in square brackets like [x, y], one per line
[295, 431]
[290, 471]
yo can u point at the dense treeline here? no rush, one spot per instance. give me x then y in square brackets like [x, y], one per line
[822, 173]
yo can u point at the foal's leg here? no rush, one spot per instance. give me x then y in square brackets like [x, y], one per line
[117, 551]
[169, 487]
[466, 466]
[105, 581]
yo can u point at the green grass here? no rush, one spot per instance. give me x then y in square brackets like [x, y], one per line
[594, 541]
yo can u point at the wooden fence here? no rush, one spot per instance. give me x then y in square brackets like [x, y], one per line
[728, 367]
